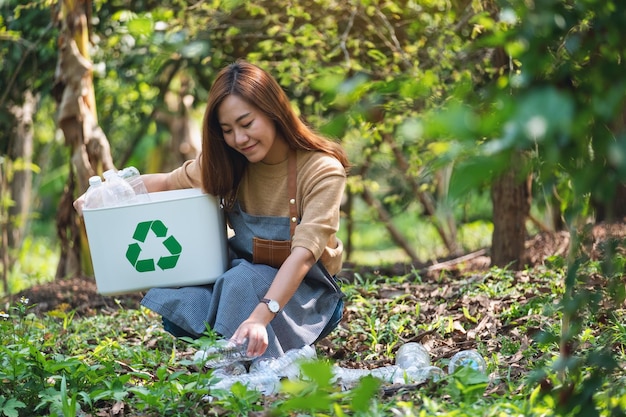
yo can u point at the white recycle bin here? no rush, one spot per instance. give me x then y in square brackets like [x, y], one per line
[177, 239]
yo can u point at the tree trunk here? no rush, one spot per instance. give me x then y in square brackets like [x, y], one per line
[613, 210]
[510, 196]
[77, 117]
[186, 137]
[16, 183]
[4, 232]
[21, 152]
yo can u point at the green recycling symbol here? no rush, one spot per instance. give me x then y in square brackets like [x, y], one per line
[140, 235]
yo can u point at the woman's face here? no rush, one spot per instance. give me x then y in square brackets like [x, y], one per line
[250, 132]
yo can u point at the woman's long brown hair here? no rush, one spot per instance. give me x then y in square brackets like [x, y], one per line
[222, 166]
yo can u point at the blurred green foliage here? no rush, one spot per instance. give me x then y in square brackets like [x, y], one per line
[433, 96]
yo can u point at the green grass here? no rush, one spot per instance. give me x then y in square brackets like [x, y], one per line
[35, 263]
[57, 363]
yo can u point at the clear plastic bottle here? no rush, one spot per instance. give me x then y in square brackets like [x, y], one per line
[287, 365]
[224, 353]
[97, 194]
[121, 190]
[230, 370]
[412, 354]
[390, 374]
[417, 375]
[469, 358]
[348, 378]
[133, 177]
[266, 383]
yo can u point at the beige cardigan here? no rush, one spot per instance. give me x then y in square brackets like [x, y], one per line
[263, 192]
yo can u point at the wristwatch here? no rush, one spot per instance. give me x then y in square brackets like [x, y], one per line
[272, 305]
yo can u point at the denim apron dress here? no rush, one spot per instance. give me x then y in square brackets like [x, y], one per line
[315, 309]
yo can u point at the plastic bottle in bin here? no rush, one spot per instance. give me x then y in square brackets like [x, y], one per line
[121, 190]
[98, 194]
[133, 177]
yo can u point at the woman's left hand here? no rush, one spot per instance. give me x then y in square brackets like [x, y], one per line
[287, 280]
[256, 333]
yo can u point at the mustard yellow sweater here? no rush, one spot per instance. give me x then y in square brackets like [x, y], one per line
[263, 192]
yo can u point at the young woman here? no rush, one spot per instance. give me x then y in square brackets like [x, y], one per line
[279, 181]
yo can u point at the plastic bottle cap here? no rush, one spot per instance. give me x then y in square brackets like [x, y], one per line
[95, 180]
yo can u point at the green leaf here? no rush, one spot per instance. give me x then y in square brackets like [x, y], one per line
[10, 407]
[467, 384]
[328, 83]
[363, 393]
[319, 372]
[230, 5]
[317, 400]
[140, 26]
[336, 127]
[475, 172]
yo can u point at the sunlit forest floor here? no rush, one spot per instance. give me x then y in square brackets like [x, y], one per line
[449, 305]
[447, 313]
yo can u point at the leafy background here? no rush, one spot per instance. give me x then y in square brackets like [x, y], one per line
[434, 101]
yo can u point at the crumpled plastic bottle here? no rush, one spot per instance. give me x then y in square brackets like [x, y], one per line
[265, 373]
[348, 378]
[390, 374]
[225, 352]
[412, 366]
[287, 365]
[412, 354]
[415, 360]
[230, 370]
[266, 383]
[469, 358]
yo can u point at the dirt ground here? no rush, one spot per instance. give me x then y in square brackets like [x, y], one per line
[80, 293]
[433, 294]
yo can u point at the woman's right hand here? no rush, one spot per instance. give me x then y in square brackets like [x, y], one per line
[153, 182]
[79, 203]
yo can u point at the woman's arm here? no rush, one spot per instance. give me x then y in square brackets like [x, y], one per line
[157, 182]
[324, 182]
[187, 175]
[284, 286]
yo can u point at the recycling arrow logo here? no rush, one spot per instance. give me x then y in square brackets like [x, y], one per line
[160, 231]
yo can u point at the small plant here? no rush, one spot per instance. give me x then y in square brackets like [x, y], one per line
[466, 385]
[317, 394]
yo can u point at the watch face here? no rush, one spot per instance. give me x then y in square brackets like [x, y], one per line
[273, 305]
